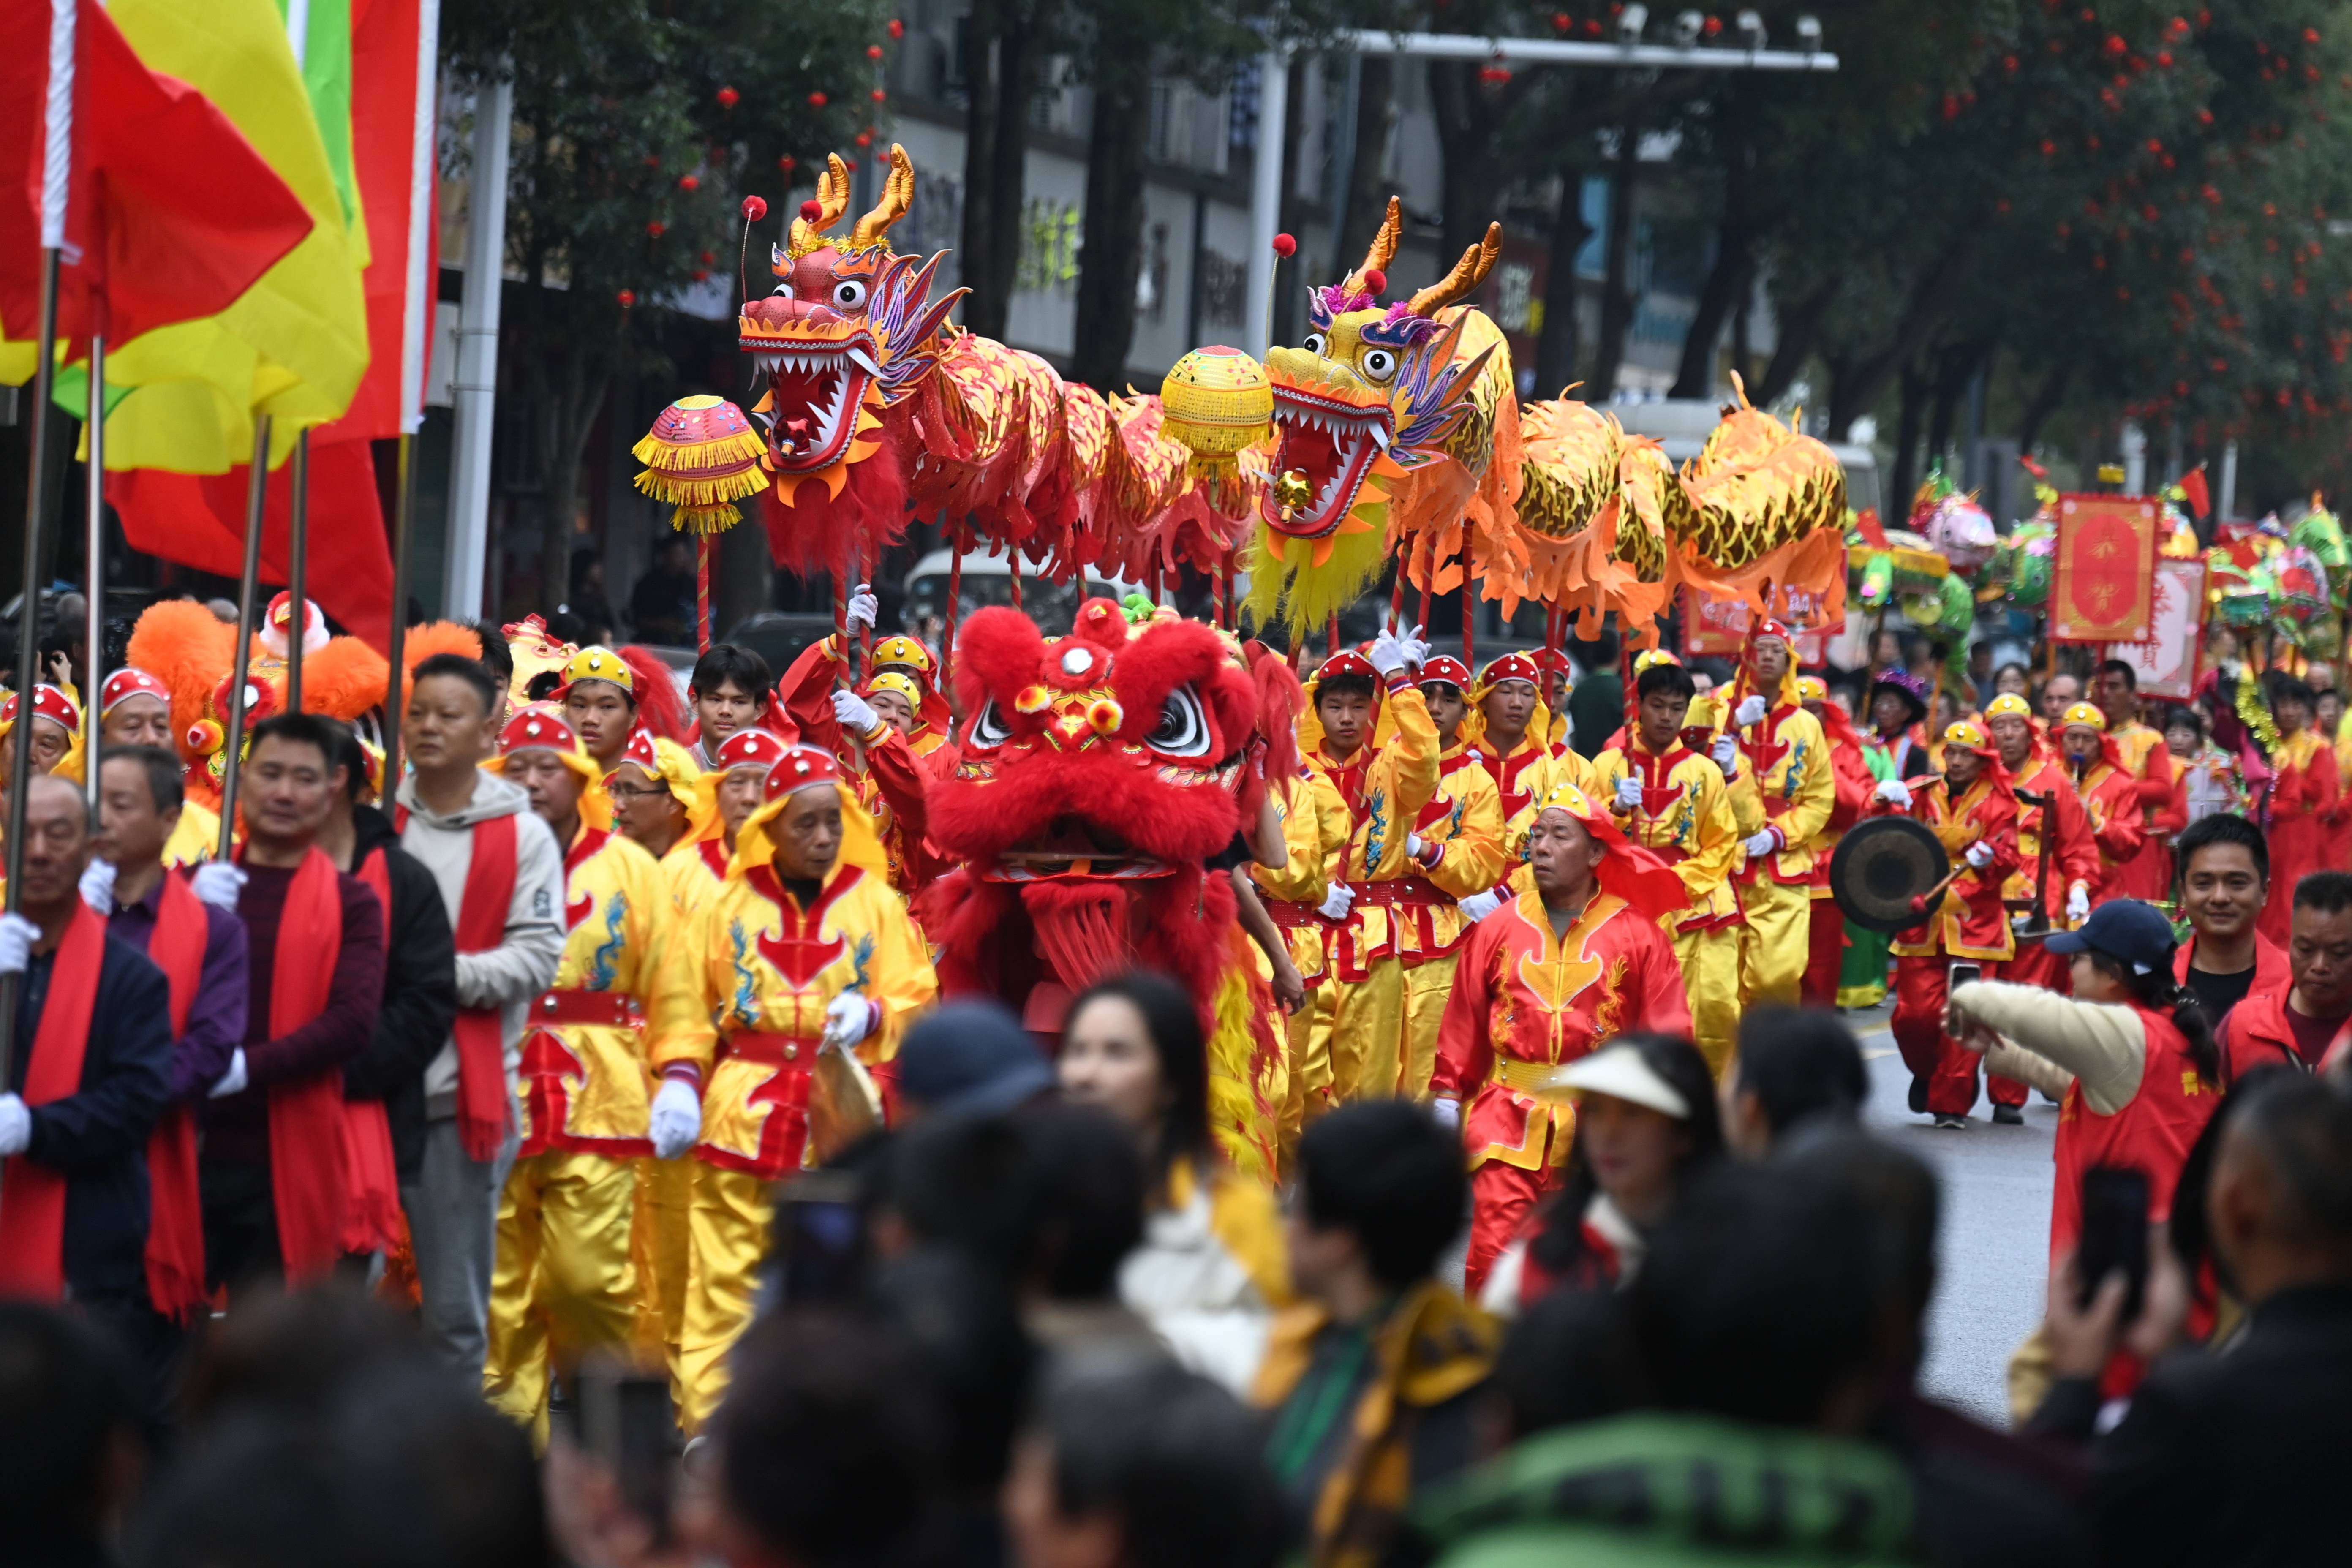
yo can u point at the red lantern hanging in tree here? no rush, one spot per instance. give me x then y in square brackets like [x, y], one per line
[729, 98]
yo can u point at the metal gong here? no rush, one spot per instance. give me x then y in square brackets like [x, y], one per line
[1881, 867]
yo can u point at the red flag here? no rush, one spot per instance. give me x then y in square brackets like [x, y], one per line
[171, 214]
[2192, 486]
[198, 519]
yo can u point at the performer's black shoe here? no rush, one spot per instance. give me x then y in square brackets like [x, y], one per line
[1947, 1121]
[1918, 1095]
[2009, 1115]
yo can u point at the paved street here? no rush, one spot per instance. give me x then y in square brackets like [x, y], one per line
[1993, 1252]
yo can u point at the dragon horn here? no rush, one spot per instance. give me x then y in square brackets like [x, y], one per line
[832, 197]
[897, 196]
[1382, 251]
[1467, 274]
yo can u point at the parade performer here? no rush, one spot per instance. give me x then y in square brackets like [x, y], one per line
[1895, 743]
[2143, 755]
[728, 692]
[901, 685]
[1788, 758]
[1385, 788]
[2107, 790]
[1973, 814]
[565, 1282]
[893, 784]
[56, 733]
[134, 709]
[1850, 773]
[1456, 845]
[1316, 830]
[654, 793]
[1511, 731]
[609, 693]
[1571, 963]
[2210, 781]
[804, 947]
[1102, 773]
[2305, 800]
[2073, 867]
[1675, 803]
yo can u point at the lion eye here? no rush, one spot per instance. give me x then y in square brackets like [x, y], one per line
[1183, 727]
[987, 727]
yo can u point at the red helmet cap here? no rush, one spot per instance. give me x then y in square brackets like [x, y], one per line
[752, 748]
[48, 702]
[126, 683]
[1446, 669]
[800, 768]
[540, 727]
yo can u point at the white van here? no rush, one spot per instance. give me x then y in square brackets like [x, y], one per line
[988, 580]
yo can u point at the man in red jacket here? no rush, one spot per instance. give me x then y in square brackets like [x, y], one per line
[2105, 783]
[2225, 872]
[2074, 866]
[2309, 1023]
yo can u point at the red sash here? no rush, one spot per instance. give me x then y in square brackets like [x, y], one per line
[175, 1222]
[33, 1219]
[373, 1221]
[484, 1111]
[306, 1115]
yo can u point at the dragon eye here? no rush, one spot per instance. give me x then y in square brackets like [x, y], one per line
[784, 291]
[1183, 727]
[849, 294]
[1314, 343]
[1380, 365]
[988, 730]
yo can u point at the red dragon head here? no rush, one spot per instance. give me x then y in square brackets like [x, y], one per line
[1099, 772]
[847, 334]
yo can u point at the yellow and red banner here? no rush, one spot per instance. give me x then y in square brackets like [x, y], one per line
[2103, 585]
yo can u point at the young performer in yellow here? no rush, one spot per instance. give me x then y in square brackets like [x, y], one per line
[1457, 843]
[1674, 802]
[804, 946]
[1788, 756]
[1315, 833]
[1511, 733]
[564, 1282]
[1384, 788]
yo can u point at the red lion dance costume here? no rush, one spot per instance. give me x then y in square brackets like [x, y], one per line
[1099, 772]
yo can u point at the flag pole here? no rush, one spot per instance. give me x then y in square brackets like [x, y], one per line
[233, 739]
[396, 644]
[29, 629]
[94, 633]
[298, 542]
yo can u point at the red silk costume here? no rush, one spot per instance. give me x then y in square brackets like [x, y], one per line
[1969, 924]
[2305, 799]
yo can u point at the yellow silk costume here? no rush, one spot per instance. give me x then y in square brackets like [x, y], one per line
[193, 837]
[1463, 824]
[1686, 817]
[1786, 758]
[764, 968]
[1314, 832]
[565, 1282]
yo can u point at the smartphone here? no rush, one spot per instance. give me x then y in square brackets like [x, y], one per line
[819, 1251]
[1959, 974]
[2114, 1232]
[625, 1419]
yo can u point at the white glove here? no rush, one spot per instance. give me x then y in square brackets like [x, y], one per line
[848, 1018]
[1980, 855]
[2078, 903]
[17, 936]
[863, 607]
[1725, 753]
[1752, 709]
[1416, 648]
[232, 1082]
[677, 1118]
[219, 884]
[1414, 844]
[1478, 906]
[15, 1125]
[853, 713]
[1893, 792]
[1760, 844]
[1448, 1113]
[1629, 792]
[1388, 654]
[98, 888]
[1338, 901]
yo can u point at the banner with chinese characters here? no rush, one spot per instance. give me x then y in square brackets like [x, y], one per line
[1717, 629]
[2167, 663]
[2103, 586]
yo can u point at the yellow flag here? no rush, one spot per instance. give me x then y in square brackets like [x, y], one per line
[293, 346]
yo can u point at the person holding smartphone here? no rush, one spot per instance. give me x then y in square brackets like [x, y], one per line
[2129, 1055]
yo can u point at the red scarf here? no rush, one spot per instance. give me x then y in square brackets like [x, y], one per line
[175, 1229]
[306, 1115]
[484, 1112]
[373, 1223]
[33, 1219]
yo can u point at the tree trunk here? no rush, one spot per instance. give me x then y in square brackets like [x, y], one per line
[1905, 477]
[1365, 201]
[993, 228]
[1290, 280]
[1852, 394]
[1480, 164]
[1556, 343]
[1799, 329]
[979, 166]
[1727, 284]
[569, 413]
[1113, 232]
[1616, 293]
[2038, 411]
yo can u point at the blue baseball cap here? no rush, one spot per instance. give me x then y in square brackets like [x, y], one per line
[969, 1059]
[2126, 930]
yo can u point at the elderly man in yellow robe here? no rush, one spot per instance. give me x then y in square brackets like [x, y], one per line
[1786, 754]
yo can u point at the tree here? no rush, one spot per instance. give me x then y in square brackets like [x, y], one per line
[1008, 43]
[637, 130]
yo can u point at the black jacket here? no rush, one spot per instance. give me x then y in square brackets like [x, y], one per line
[420, 992]
[97, 1136]
[2228, 1458]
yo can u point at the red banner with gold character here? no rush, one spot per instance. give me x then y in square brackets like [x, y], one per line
[2103, 585]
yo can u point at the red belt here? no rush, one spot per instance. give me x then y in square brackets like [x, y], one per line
[1291, 915]
[769, 1047]
[1400, 890]
[614, 1009]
